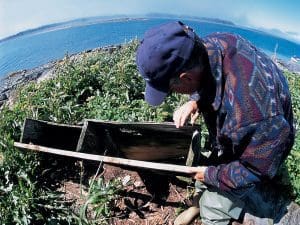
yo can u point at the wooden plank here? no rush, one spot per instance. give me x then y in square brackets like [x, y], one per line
[50, 134]
[84, 135]
[150, 126]
[94, 138]
[155, 152]
[140, 141]
[193, 155]
[112, 160]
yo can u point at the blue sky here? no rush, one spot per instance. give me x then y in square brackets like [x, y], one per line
[283, 15]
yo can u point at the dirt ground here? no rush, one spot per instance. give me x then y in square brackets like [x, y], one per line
[149, 198]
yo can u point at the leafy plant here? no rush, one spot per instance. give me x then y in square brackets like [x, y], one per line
[293, 160]
[101, 199]
[99, 85]
[102, 85]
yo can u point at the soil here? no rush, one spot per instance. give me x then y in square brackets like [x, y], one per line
[148, 198]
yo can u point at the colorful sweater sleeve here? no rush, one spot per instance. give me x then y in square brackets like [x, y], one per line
[268, 142]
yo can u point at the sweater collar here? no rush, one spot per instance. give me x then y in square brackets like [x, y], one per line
[216, 64]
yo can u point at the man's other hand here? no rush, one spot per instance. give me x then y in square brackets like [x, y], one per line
[181, 115]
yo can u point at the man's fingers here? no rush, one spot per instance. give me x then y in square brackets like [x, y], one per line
[176, 118]
[180, 117]
[194, 117]
[182, 114]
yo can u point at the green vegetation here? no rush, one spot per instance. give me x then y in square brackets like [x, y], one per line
[103, 85]
[101, 200]
[293, 160]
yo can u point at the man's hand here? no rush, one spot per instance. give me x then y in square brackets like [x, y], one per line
[181, 115]
[198, 173]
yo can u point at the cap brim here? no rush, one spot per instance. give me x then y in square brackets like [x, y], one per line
[153, 96]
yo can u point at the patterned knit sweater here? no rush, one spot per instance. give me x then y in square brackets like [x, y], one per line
[250, 116]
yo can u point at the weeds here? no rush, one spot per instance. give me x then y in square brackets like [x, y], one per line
[101, 199]
[102, 85]
[293, 161]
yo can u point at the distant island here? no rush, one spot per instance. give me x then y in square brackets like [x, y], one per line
[171, 16]
[116, 18]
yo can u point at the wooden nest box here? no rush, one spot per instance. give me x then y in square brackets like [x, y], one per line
[138, 141]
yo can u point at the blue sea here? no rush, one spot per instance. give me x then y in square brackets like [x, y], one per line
[34, 49]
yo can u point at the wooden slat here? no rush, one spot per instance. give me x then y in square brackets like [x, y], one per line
[150, 126]
[112, 160]
[50, 134]
[138, 141]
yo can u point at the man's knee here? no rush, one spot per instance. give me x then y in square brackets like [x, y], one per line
[219, 208]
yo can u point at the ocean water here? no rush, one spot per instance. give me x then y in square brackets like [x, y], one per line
[34, 49]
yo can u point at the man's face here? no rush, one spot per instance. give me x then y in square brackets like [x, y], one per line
[188, 82]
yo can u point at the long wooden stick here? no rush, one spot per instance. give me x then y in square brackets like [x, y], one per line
[112, 160]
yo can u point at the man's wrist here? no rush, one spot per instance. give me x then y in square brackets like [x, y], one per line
[200, 174]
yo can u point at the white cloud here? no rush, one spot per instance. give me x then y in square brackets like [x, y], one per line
[261, 19]
[19, 15]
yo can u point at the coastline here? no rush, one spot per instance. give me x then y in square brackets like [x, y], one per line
[107, 19]
[18, 78]
[292, 67]
[11, 81]
[36, 54]
[70, 24]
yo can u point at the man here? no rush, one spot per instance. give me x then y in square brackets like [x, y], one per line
[244, 100]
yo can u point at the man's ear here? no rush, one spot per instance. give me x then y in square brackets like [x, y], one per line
[185, 77]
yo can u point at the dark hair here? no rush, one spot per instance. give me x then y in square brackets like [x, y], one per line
[198, 56]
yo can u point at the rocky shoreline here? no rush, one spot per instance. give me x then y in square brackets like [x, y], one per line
[292, 67]
[15, 79]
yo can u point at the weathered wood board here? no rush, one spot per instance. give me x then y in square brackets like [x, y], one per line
[175, 169]
[139, 141]
[50, 134]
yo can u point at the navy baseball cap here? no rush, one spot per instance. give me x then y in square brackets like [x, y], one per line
[162, 54]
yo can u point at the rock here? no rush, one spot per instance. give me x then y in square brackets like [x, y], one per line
[40, 73]
[292, 216]
[253, 220]
[3, 97]
[125, 180]
[293, 67]
[4, 88]
[187, 216]
[288, 65]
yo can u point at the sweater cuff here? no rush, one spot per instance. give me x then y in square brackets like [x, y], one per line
[195, 96]
[211, 176]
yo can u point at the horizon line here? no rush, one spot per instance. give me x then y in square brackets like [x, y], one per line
[108, 18]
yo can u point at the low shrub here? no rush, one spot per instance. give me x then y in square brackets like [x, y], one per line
[100, 85]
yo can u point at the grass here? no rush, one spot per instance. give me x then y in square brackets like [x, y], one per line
[101, 85]
[293, 161]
